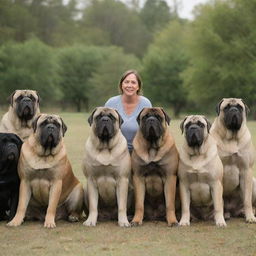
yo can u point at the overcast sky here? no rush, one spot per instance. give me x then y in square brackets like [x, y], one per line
[185, 10]
[187, 7]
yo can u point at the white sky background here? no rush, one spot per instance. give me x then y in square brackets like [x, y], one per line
[186, 7]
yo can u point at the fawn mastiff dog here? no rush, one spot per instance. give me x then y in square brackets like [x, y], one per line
[107, 167]
[24, 107]
[200, 173]
[238, 156]
[154, 167]
[48, 188]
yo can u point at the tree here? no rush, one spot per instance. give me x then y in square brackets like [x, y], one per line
[16, 22]
[222, 53]
[29, 65]
[155, 14]
[120, 25]
[163, 65]
[77, 65]
[104, 81]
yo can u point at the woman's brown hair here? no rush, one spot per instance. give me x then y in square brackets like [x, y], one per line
[127, 73]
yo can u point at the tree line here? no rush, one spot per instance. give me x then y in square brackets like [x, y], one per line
[74, 55]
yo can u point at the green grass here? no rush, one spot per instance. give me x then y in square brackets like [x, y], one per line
[153, 238]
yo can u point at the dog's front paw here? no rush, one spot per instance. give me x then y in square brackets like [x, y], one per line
[172, 224]
[15, 222]
[49, 224]
[220, 221]
[72, 218]
[136, 223]
[124, 224]
[89, 223]
[184, 222]
[251, 219]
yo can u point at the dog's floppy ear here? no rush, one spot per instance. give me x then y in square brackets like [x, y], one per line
[64, 127]
[247, 110]
[218, 107]
[167, 118]
[138, 117]
[182, 125]
[120, 118]
[39, 98]
[90, 118]
[208, 124]
[34, 124]
[10, 98]
[19, 141]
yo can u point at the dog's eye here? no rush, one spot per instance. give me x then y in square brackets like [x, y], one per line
[112, 117]
[19, 98]
[187, 125]
[32, 98]
[227, 107]
[159, 118]
[200, 124]
[239, 107]
[56, 123]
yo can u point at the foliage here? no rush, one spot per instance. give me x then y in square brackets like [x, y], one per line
[163, 65]
[223, 53]
[120, 25]
[77, 64]
[104, 81]
[29, 65]
[155, 14]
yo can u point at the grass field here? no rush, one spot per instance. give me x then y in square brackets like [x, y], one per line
[153, 238]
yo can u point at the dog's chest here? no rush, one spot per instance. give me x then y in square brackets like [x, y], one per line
[105, 171]
[40, 190]
[151, 169]
[237, 159]
[41, 174]
[198, 175]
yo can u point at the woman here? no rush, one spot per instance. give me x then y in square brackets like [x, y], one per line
[129, 104]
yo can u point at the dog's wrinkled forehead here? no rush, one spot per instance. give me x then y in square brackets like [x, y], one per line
[49, 119]
[152, 112]
[25, 93]
[232, 101]
[105, 111]
[194, 119]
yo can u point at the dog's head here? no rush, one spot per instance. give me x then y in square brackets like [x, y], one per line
[10, 145]
[195, 129]
[105, 122]
[153, 123]
[25, 103]
[232, 112]
[49, 130]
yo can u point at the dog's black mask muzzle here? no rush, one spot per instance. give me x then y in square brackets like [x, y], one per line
[233, 118]
[50, 136]
[25, 108]
[152, 129]
[194, 135]
[105, 128]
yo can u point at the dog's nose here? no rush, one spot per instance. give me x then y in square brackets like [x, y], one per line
[151, 119]
[26, 99]
[193, 127]
[50, 127]
[233, 109]
[105, 119]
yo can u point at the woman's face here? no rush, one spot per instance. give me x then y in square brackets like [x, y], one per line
[130, 85]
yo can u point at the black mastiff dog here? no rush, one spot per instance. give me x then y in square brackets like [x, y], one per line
[10, 145]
